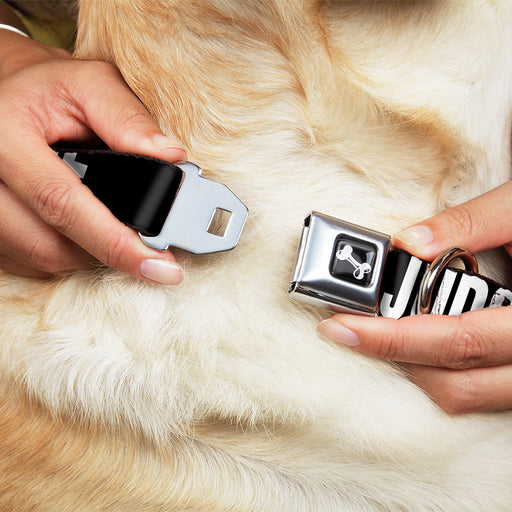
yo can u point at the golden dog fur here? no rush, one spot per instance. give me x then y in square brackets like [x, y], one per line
[217, 394]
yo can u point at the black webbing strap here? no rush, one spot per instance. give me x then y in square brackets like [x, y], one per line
[456, 291]
[138, 190]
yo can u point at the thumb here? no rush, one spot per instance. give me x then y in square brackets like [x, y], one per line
[482, 223]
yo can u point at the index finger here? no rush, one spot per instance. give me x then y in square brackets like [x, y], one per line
[474, 339]
[56, 194]
[478, 224]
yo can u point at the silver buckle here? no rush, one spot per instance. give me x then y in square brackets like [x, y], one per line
[188, 224]
[340, 265]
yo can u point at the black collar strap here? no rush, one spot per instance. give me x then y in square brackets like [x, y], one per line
[356, 270]
[169, 204]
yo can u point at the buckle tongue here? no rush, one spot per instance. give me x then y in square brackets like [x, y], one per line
[340, 265]
[188, 224]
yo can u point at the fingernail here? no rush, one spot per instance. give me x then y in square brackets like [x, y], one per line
[416, 236]
[339, 333]
[161, 271]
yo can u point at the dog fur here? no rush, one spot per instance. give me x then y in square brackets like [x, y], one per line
[217, 394]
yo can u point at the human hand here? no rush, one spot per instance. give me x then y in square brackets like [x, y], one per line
[50, 222]
[463, 362]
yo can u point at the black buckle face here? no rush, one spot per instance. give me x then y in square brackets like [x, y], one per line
[353, 260]
[339, 265]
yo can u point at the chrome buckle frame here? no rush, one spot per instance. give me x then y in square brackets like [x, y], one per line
[191, 214]
[330, 270]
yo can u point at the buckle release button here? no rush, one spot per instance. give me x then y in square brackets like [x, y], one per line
[353, 260]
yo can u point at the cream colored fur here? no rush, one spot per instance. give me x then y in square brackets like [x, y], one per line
[217, 394]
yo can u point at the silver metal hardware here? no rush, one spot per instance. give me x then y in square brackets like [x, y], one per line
[339, 265]
[435, 269]
[188, 222]
[70, 159]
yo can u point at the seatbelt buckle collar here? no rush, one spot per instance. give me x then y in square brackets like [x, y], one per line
[340, 265]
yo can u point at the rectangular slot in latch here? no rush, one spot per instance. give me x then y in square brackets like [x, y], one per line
[219, 222]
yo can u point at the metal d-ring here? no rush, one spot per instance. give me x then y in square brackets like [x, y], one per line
[435, 269]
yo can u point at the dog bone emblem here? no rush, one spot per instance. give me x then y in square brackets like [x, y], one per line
[345, 253]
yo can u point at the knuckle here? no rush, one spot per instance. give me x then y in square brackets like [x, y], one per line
[460, 394]
[466, 347]
[461, 220]
[130, 120]
[43, 257]
[54, 203]
[115, 251]
[388, 347]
